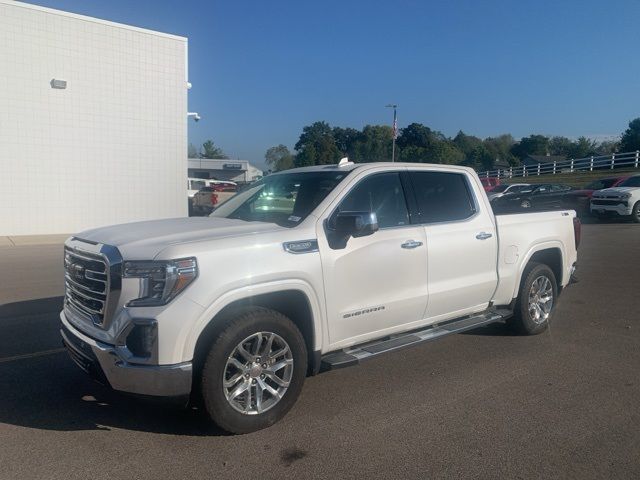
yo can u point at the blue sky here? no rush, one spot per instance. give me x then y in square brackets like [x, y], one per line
[261, 70]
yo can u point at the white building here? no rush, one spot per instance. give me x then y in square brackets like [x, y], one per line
[93, 122]
[240, 171]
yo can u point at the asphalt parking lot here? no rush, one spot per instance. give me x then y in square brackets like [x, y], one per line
[484, 404]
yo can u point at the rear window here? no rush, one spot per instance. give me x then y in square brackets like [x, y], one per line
[442, 197]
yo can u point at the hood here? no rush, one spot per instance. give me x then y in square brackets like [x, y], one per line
[615, 191]
[145, 240]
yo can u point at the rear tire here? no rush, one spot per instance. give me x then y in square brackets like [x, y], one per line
[249, 382]
[536, 300]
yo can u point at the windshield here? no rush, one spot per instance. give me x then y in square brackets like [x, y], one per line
[284, 199]
[631, 182]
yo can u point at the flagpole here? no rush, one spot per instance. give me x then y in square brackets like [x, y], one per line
[395, 130]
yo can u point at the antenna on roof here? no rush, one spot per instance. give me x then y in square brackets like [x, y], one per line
[344, 162]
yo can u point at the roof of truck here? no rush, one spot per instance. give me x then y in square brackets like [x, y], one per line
[357, 166]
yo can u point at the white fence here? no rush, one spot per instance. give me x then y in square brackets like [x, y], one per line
[589, 164]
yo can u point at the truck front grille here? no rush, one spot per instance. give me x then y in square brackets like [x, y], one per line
[86, 283]
[608, 202]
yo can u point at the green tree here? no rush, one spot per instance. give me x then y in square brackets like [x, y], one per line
[481, 158]
[630, 140]
[607, 147]
[209, 150]
[531, 145]
[417, 135]
[561, 146]
[316, 146]
[445, 151]
[467, 144]
[500, 148]
[583, 147]
[373, 144]
[279, 158]
[412, 153]
[345, 139]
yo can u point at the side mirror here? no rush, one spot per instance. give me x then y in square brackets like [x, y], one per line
[356, 224]
[350, 224]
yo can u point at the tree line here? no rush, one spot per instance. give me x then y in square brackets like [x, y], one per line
[321, 144]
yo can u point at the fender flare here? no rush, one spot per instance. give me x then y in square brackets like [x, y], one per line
[552, 244]
[248, 291]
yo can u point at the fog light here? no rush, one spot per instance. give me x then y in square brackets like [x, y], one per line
[142, 338]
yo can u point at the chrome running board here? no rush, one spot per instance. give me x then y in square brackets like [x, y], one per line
[356, 354]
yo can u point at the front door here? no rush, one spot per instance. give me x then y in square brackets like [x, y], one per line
[376, 284]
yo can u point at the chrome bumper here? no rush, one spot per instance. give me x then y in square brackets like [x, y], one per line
[102, 362]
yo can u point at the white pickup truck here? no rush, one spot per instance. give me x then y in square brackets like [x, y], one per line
[623, 200]
[309, 269]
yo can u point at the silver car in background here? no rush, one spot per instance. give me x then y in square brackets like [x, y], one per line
[500, 190]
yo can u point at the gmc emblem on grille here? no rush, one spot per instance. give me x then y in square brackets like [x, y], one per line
[77, 271]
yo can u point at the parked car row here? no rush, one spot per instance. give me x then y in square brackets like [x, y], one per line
[539, 197]
[605, 197]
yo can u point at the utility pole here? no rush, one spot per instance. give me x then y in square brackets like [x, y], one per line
[395, 130]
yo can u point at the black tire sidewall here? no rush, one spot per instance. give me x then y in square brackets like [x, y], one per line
[635, 213]
[523, 323]
[244, 324]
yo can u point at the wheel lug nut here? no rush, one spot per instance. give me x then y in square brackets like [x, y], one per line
[258, 360]
[264, 365]
[262, 376]
[253, 381]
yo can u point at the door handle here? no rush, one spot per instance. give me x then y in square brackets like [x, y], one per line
[411, 244]
[484, 235]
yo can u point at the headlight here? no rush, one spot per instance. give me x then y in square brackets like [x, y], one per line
[160, 281]
[625, 196]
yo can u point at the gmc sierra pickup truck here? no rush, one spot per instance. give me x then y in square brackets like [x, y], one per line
[308, 269]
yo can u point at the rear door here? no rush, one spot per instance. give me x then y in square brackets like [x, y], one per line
[461, 243]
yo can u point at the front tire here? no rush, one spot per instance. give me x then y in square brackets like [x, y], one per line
[254, 371]
[635, 213]
[536, 300]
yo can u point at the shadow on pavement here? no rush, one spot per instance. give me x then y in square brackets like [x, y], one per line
[498, 329]
[43, 389]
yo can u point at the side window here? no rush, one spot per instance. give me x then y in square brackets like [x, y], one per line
[380, 193]
[442, 197]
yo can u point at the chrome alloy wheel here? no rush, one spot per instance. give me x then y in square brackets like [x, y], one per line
[540, 299]
[258, 373]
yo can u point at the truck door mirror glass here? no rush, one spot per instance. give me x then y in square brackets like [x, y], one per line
[356, 224]
[351, 224]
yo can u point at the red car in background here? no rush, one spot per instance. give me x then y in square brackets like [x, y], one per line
[489, 183]
[578, 200]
